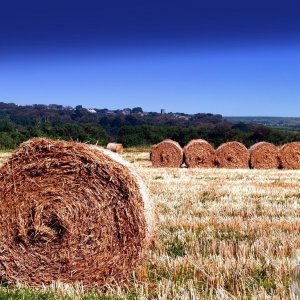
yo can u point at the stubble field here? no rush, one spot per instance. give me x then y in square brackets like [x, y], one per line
[222, 234]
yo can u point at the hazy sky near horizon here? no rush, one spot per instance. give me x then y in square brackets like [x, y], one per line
[228, 57]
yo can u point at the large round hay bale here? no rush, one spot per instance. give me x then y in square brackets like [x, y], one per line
[167, 153]
[232, 155]
[71, 212]
[115, 147]
[199, 154]
[264, 155]
[289, 156]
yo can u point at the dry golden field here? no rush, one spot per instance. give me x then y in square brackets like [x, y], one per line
[222, 234]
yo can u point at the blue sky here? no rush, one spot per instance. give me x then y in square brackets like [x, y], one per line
[228, 57]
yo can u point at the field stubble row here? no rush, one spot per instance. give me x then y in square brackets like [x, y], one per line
[224, 234]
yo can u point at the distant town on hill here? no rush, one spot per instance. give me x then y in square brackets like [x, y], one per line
[54, 109]
[136, 127]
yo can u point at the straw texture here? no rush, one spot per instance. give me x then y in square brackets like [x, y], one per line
[232, 155]
[264, 155]
[114, 147]
[199, 154]
[289, 156]
[167, 153]
[71, 212]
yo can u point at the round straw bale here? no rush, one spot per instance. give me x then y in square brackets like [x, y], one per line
[264, 155]
[167, 153]
[289, 156]
[114, 147]
[71, 212]
[199, 154]
[232, 155]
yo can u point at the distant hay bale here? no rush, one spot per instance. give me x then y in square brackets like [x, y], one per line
[114, 147]
[71, 212]
[289, 156]
[264, 155]
[232, 155]
[199, 154]
[167, 153]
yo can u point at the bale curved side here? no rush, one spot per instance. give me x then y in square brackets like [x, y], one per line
[167, 153]
[289, 156]
[199, 154]
[264, 155]
[115, 147]
[71, 212]
[232, 155]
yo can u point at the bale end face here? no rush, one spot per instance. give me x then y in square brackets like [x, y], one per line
[264, 155]
[70, 212]
[115, 147]
[167, 153]
[232, 155]
[199, 154]
[289, 156]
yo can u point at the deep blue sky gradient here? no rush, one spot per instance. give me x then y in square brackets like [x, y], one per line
[228, 57]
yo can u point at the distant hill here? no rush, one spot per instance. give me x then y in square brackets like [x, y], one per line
[60, 113]
[283, 123]
[130, 126]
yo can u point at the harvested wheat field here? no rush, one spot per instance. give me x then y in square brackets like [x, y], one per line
[223, 234]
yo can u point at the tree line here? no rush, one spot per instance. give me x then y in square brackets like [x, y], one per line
[18, 124]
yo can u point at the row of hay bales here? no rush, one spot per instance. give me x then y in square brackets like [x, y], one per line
[200, 154]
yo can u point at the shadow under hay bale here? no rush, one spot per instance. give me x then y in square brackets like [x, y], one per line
[167, 153]
[289, 156]
[71, 212]
[264, 155]
[114, 147]
[232, 155]
[199, 154]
